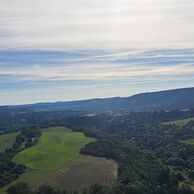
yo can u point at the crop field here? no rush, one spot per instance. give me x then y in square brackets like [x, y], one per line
[79, 174]
[180, 122]
[84, 172]
[56, 148]
[7, 141]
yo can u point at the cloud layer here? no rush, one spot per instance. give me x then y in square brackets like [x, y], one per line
[97, 24]
[64, 50]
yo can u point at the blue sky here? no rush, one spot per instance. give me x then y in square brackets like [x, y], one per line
[66, 50]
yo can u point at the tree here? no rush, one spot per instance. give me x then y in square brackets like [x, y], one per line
[19, 188]
[191, 175]
[96, 189]
[185, 189]
[44, 189]
[164, 176]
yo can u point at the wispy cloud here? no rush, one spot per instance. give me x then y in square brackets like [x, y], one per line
[85, 66]
[72, 74]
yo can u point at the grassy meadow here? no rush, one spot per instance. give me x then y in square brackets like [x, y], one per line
[56, 148]
[7, 141]
[189, 143]
[180, 122]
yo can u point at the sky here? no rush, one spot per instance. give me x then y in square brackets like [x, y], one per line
[68, 50]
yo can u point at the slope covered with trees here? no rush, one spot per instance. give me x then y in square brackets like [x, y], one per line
[171, 99]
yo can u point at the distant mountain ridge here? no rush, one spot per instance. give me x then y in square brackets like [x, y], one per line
[169, 99]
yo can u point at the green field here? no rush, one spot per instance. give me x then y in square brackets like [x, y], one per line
[56, 148]
[7, 141]
[180, 122]
[189, 142]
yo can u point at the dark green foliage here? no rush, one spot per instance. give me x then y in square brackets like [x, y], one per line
[23, 188]
[191, 174]
[20, 188]
[19, 141]
[185, 189]
[31, 133]
[97, 189]
[139, 171]
[44, 189]
[9, 170]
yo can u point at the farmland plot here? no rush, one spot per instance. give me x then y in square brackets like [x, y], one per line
[84, 172]
[56, 147]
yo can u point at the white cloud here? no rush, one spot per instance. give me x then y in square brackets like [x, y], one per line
[83, 24]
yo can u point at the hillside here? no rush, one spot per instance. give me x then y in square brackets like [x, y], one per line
[170, 99]
[56, 160]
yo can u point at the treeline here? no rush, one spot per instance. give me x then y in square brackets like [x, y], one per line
[147, 134]
[163, 155]
[139, 171]
[9, 170]
[23, 188]
[14, 119]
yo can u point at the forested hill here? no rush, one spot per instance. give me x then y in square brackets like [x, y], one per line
[170, 99]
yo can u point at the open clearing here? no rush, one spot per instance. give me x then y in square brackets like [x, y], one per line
[56, 148]
[190, 143]
[7, 141]
[180, 122]
[56, 161]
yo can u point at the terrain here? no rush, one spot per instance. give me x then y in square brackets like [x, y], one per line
[55, 159]
[179, 122]
[84, 172]
[55, 142]
[170, 99]
[146, 152]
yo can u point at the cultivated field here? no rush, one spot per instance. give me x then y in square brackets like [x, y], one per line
[7, 141]
[56, 148]
[180, 122]
[84, 172]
